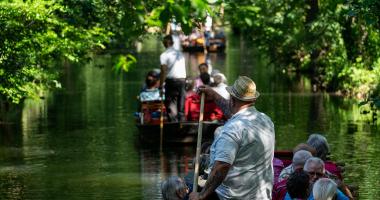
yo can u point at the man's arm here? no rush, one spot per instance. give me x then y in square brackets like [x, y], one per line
[216, 177]
[164, 69]
[219, 100]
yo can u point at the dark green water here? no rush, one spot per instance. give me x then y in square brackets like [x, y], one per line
[81, 142]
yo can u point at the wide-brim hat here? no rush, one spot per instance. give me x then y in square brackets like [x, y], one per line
[243, 89]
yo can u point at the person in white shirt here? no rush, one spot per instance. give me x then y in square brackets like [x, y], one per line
[173, 73]
[242, 153]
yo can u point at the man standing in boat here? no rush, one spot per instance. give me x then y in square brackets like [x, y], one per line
[173, 73]
[242, 154]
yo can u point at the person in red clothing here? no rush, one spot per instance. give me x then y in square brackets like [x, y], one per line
[211, 111]
[193, 102]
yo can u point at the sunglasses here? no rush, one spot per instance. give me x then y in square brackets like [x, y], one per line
[317, 174]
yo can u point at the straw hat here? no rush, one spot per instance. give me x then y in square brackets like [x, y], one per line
[243, 89]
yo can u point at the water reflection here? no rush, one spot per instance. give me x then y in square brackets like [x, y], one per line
[157, 166]
[81, 142]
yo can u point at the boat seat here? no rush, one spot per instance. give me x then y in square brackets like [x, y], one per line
[151, 105]
[151, 112]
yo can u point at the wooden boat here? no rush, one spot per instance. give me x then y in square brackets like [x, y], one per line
[286, 159]
[283, 158]
[198, 43]
[215, 45]
[173, 132]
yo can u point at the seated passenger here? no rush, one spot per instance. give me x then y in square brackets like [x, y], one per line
[298, 161]
[324, 189]
[205, 78]
[333, 171]
[306, 147]
[151, 91]
[219, 85]
[298, 186]
[203, 68]
[211, 111]
[193, 102]
[315, 167]
[319, 142]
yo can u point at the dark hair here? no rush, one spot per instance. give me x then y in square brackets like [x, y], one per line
[168, 41]
[205, 147]
[202, 64]
[298, 184]
[151, 79]
[205, 77]
[154, 73]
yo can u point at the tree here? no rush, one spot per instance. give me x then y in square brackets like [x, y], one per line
[37, 33]
[337, 42]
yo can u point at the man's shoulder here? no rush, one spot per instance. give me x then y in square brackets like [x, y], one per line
[246, 118]
[264, 118]
[231, 124]
[171, 50]
[253, 115]
[166, 51]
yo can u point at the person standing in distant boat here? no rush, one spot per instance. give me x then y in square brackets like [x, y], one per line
[173, 73]
[242, 153]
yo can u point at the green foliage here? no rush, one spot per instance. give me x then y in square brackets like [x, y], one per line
[371, 106]
[185, 12]
[367, 10]
[32, 39]
[37, 33]
[124, 63]
[337, 42]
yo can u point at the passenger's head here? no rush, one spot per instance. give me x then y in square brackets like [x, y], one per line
[189, 85]
[319, 142]
[168, 41]
[174, 188]
[152, 79]
[306, 147]
[315, 167]
[205, 77]
[299, 159]
[298, 185]
[203, 68]
[324, 189]
[219, 78]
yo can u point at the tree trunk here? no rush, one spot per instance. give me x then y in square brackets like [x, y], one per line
[311, 15]
[313, 10]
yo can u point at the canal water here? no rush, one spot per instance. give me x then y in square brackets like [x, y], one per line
[81, 142]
